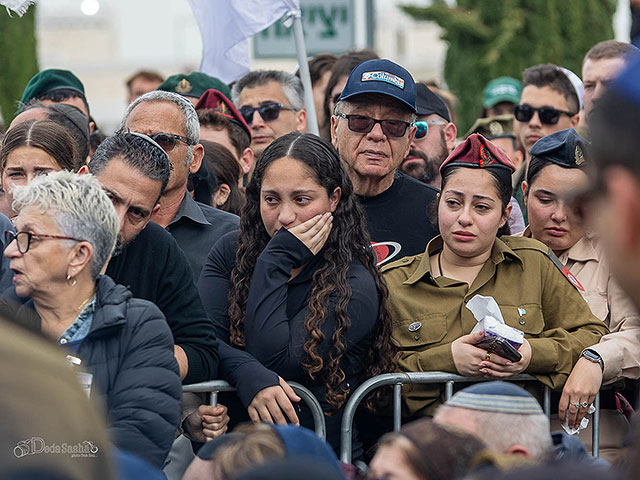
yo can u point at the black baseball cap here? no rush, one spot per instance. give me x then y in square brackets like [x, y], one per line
[428, 103]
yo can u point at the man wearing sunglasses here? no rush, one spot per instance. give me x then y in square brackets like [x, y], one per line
[372, 129]
[550, 102]
[172, 122]
[435, 138]
[272, 104]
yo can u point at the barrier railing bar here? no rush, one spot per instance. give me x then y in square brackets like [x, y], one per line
[595, 428]
[392, 379]
[546, 402]
[448, 390]
[213, 387]
[397, 406]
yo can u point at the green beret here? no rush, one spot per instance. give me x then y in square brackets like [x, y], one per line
[49, 80]
[499, 126]
[193, 85]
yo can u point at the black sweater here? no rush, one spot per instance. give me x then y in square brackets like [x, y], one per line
[277, 309]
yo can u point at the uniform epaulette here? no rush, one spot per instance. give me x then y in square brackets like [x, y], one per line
[403, 262]
[524, 243]
[565, 271]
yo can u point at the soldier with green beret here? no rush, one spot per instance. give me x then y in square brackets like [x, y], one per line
[55, 86]
[193, 85]
[429, 292]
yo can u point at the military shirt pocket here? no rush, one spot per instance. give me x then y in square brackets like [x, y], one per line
[526, 317]
[420, 330]
[598, 303]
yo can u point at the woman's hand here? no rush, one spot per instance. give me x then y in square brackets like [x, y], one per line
[314, 232]
[206, 423]
[497, 367]
[271, 404]
[466, 356]
[581, 388]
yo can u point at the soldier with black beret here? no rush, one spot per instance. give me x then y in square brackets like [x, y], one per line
[557, 168]
[428, 293]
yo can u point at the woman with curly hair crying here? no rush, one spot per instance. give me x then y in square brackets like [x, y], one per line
[297, 288]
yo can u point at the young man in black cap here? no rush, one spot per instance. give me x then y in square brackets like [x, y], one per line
[435, 138]
[372, 129]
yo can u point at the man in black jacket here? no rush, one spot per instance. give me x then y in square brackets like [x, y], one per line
[134, 171]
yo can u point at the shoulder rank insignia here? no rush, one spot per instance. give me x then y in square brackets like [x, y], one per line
[565, 271]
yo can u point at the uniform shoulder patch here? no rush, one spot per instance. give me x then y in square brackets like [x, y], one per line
[524, 243]
[564, 270]
[403, 262]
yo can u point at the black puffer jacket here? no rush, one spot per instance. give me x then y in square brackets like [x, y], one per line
[129, 352]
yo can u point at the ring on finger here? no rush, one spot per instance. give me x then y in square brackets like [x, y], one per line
[577, 404]
[487, 356]
[584, 404]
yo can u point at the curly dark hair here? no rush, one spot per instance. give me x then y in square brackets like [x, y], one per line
[348, 241]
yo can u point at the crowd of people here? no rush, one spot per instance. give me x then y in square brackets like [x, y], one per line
[212, 238]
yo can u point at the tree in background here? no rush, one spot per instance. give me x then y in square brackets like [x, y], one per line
[18, 59]
[492, 38]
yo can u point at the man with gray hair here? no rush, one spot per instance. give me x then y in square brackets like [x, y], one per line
[372, 128]
[171, 121]
[272, 104]
[504, 416]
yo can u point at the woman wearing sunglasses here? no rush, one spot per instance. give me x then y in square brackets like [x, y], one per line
[297, 288]
[555, 170]
[429, 292]
[120, 347]
[34, 148]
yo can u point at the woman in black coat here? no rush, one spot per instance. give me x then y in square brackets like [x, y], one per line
[120, 347]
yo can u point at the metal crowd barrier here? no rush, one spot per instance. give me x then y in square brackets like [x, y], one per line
[213, 387]
[398, 379]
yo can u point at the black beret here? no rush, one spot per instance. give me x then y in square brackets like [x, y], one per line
[564, 148]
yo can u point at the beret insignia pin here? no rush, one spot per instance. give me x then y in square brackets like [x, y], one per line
[486, 157]
[496, 128]
[578, 155]
[183, 86]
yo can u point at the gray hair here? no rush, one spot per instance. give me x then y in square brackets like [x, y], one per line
[79, 208]
[189, 115]
[291, 85]
[502, 430]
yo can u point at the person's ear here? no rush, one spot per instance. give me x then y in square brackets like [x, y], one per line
[196, 161]
[525, 193]
[412, 134]
[518, 450]
[334, 199]
[246, 160]
[507, 214]
[334, 128]
[83, 170]
[450, 133]
[79, 258]
[301, 120]
[222, 195]
[575, 120]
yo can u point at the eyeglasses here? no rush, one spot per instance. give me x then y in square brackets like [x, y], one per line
[24, 239]
[168, 140]
[422, 127]
[364, 124]
[268, 111]
[547, 115]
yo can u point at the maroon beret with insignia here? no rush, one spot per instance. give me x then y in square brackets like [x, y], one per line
[478, 152]
[219, 103]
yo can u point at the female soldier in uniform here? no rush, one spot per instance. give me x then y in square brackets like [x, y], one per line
[556, 168]
[429, 292]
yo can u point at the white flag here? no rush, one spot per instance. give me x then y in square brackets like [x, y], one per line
[18, 6]
[225, 26]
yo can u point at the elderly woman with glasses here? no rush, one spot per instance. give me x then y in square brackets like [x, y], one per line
[120, 347]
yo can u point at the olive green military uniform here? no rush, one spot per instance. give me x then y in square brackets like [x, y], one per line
[533, 294]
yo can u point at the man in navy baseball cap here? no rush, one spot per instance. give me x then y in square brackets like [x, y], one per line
[372, 128]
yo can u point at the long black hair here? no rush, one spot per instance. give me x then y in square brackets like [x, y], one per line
[348, 241]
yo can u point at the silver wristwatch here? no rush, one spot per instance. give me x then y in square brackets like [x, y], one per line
[594, 357]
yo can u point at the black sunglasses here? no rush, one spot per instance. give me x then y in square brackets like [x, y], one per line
[547, 115]
[364, 124]
[268, 111]
[168, 140]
